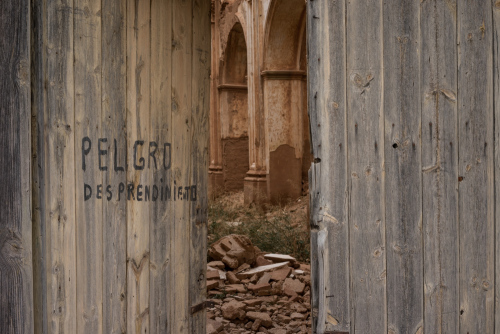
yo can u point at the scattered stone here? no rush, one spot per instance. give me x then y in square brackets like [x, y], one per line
[217, 264]
[232, 288]
[256, 324]
[213, 274]
[261, 269]
[231, 277]
[259, 297]
[263, 317]
[212, 284]
[259, 287]
[233, 250]
[281, 274]
[294, 285]
[297, 316]
[276, 258]
[262, 261]
[213, 326]
[233, 309]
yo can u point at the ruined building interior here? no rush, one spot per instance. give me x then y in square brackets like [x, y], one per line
[259, 128]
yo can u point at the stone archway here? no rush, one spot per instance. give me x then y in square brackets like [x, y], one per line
[233, 108]
[285, 100]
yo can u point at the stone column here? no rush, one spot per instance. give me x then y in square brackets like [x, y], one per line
[255, 186]
[215, 167]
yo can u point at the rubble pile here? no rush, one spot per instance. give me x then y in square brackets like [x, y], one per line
[256, 292]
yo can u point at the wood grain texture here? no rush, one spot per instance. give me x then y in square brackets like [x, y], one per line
[16, 273]
[89, 243]
[402, 159]
[113, 124]
[334, 149]
[200, 109]
[496, 103]
[476, 178]
[182, 127]
[161, 270]
[327, 107]
[365, 132]
[138, 174]
[438, 75]
[56, 117]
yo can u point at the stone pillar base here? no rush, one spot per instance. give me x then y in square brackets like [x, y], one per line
[255, 188]
[215, 181]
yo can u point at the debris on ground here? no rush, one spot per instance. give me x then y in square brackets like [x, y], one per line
[256, 292]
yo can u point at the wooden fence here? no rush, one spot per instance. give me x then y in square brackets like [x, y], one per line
[404, 103]
[104, 123]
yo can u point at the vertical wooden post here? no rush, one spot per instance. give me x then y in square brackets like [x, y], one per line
[365, 133]
[496, 103]
[438, 89]
[161, 293]
[200, 95]
[138, 173]
[114, 127]
[54, 167]
[16, 275]
[476, 204]
[182, 128]
[402, 161]
[88, 167]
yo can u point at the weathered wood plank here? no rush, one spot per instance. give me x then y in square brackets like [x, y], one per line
[365, 165]
[438, 76]
[161, 291]
[56, 167]
[496, 103]
[333, 176]
[402, 155]
[16, 275]
[38, 174]
[138, 173]
[182, 28]
[113, 123]
[200, 97]
[327, 109]
[88, 217]
[476, 177]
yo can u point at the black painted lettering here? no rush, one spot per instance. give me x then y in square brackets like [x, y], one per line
[175, 190]
[85, 151]
[193, 193]
[152, 153]
[110, 194]
[146, 193]
[179, 193]
[98, 194]
[139, 193]
[186, 194]
[102, 152]
[168, 193]
[155, 193]
[130, 191]
[87, 191]
[117, 168]
[141, 160]
[121, 189]
[167, 155]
